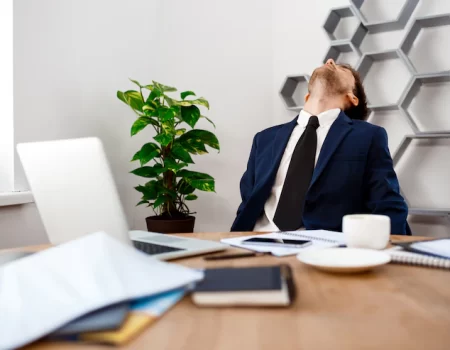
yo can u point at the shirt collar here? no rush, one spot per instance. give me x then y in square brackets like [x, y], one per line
[325, 118]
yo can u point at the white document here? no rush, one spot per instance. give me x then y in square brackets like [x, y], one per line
[44, 291]
[319, 238]
[439, 247]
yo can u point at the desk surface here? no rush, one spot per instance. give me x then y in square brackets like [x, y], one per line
[395, 307]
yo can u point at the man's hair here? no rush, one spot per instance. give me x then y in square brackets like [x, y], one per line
[359, 112]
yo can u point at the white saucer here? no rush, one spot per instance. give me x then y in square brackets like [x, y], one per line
[344, 260]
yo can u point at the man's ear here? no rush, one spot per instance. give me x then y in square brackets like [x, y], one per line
[307, 97]
[354, 101]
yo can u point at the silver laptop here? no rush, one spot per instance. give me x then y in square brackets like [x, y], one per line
[75, 194]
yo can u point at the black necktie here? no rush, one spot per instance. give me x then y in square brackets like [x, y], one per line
[288, 216]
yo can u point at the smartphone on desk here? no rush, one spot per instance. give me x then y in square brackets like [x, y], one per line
[277, 242]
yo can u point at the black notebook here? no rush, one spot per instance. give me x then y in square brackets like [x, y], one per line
[246, 286]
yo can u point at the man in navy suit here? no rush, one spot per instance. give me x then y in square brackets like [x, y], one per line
[326, 163]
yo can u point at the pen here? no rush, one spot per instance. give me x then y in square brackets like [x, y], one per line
[234, 256]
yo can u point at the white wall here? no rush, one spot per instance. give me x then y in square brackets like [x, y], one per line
[71, 57]
[6, 93]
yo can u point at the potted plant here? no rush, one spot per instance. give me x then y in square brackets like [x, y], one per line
[165, 159]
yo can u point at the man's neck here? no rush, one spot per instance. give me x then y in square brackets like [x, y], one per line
[316, 106]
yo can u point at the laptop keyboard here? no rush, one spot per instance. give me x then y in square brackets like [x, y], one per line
[153, 249]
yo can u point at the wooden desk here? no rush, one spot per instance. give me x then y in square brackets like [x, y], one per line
[395, 307]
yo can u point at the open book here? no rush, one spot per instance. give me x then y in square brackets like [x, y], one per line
[319, 238]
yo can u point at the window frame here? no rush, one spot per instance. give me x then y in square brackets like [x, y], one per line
[7, 194]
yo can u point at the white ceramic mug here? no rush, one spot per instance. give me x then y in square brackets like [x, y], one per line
[366, 231]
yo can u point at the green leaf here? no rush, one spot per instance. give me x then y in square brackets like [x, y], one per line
[149, 191]
[159, 201]
[168, 192]
[166, 114]
[146, 171]
[171, 164]
[154, 94]
[142, 202]
[200, 136]
[148, 87]
[185, 94]
[168, 128]
[180, 153]
[176, 110]
[171, 102]
[147, 107]
[121, 96]
[164, 88]
[190, 115]
[159, 168]
[140, 188]
[134, 99]
[194, 147]
[191, 197]
[147, 153]
[203, 116]
[200, 181]
[140, 124]
[163, 139]
[168, 88]
[184, 188]
[136, 82]
[200, 101]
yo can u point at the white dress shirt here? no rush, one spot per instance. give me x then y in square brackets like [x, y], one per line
[265, 222]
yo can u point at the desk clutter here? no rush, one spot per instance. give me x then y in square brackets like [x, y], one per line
[105, 328]
[80, 277]
[318, 238]
[96, 289]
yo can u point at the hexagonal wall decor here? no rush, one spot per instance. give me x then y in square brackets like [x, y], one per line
[428, 34]
[343, 52]
[391, 118]
[293, 91]
[341, 23]
[426, 102]
[437, 175]
[378, 68]
[396, 23]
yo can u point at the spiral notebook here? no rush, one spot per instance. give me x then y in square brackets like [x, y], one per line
[319, 238]
[333, 237]
[401, 256]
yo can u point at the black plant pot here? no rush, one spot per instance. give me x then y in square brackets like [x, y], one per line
[167, 225]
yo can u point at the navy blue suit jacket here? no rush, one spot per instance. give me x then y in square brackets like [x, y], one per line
[354, 174]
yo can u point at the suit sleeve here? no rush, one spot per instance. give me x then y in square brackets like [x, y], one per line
[383, 191]
[248, 179]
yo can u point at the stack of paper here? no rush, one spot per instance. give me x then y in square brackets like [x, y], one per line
[143, 312]
[47, 290]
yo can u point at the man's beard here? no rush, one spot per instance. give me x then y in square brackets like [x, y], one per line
[328, 82]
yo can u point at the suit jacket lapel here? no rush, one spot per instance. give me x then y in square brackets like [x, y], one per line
[340, 128]
[279, 144]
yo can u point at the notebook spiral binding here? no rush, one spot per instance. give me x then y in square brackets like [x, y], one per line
[312, 238]
[420, 260]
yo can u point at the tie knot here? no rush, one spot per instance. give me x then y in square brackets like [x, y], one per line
[313, 122]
